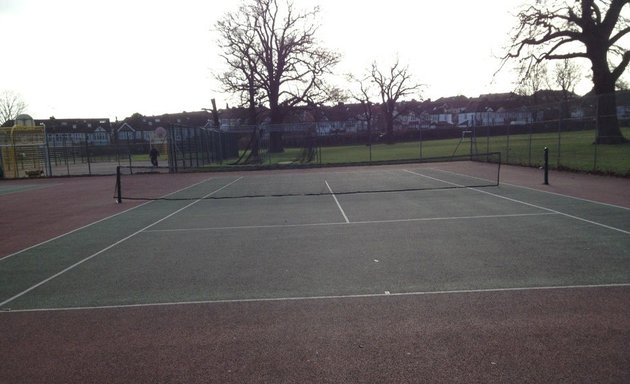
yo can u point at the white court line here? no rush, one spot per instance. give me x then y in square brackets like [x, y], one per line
[111, 246]
[96, 222]
[330, 297]
[337, 201]
[529, 204]
[70, 232]
[351, 223]
[558, 212]
[569, 196]
[543, 191]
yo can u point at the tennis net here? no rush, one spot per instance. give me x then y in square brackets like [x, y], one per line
[163, 183]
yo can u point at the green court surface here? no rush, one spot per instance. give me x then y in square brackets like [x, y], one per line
[432, 239]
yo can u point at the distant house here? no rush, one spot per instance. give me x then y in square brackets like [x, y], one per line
[623, 106]
[343, 118]
[446, 110]
[140, 129]
[412, 115]
[65, 132]
[125, 132]
[234, 119]
[496, 109]
[440, 116]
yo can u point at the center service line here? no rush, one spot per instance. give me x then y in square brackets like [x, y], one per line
[112, 245]
[337, 201]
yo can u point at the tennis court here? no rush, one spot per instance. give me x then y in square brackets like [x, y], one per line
[399, 273]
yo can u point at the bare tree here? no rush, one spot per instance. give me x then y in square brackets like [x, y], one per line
[588, 29]
[532, 80]
[392, 85]
[289, 66]
[237, 40]
[364, 96]
[11, 105]
[567, 74]
[315, 104]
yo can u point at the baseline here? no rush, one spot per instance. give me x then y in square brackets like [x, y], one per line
[331, 297]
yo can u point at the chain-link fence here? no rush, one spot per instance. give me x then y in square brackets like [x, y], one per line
[77, 155]
[81, 157]
[574, 130]
[577, 135]
[197, 147]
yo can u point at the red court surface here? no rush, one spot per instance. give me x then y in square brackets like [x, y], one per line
[60, 205]
[573, 334]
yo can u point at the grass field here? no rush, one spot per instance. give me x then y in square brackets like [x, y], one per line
[567, 150]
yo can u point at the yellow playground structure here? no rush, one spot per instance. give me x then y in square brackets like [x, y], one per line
[23, 149]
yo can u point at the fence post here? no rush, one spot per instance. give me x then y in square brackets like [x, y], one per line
[87, 155]
[65, 151]
[220, 146]
[546, 166]
[118, 186]
[48, 154]
[319, 144]
[595, 155]
[563, 107]
[529, 148]
[172, 150]
[596, 141]
[507, 149]
[420, 138]
[487, 138]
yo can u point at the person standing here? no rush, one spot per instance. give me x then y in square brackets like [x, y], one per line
[153, 154]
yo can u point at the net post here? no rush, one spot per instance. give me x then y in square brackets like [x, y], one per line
[118, 186]
[546, 166]
[499, 169]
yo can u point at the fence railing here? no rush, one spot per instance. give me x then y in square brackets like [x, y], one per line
[570, 129]
[573, 130]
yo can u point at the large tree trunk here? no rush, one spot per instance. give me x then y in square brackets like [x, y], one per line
[275, 142]
[608, 131]
[252, 121]
[389, 126]
[276, 116]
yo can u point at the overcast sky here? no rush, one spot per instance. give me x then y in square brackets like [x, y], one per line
[111, 58]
